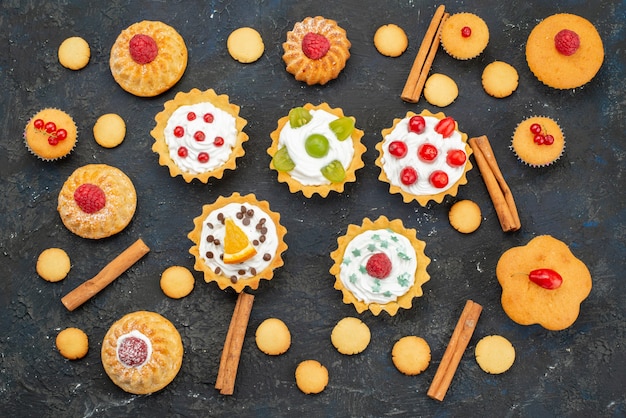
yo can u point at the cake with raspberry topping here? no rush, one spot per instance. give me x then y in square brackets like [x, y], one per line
[97, 201]
[316, 149]
[238, 241]
[464, 36]
[142, 352]
[199, 135]
[316, 50]
[148, 58]
[50, 134]
[380, 266]
[424, 157]
[538, 141]
[564, 51]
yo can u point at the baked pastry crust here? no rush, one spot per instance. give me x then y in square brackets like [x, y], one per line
[224, 281]
[321, 70]
[531, 153]
[462, 47]
[160, 74]
[323, 189]
[121, 202]
[36, 140]
[160, 368]
[404, 301]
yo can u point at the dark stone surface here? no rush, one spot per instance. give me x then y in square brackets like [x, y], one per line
[579, 200]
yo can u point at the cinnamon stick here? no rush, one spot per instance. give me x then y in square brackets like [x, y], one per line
[231, 353]
[424, 59]
[107, 275]
[499, 191]
[456, 347]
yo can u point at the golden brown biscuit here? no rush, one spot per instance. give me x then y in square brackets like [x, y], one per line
[440, 90]
[50, 134]
[74, 53]
[273, 337]
[538, 141]
[350, 336]
[494, 354]
[311, 376]
[411, 355]
[500, 79]
[245, 45]
[391, 40]
[109, 130]
[465, 216]
[53, 264]
[72, 343]
[177, 282]
[464, 36]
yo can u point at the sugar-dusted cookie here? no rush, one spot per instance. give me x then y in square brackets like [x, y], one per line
[109, 130]
[465, 216]
[72, 343]
[350, 336]
[245, 45]
[311, 376]
[411, 355]
[53, 264]
[74, 53]
[391, 40]
[495, 354]
[273, 337]
[177, 282]
[500, 79]
[440, 90]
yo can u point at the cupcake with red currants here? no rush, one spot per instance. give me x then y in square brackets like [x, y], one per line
[538, 141]
[424, 157]
[199, 135]
[50, 134]
[316, 149]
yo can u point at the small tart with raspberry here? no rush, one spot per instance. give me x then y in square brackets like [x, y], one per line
[316, 149]
[50, 134]
[538, 141]
[148, 58]
[97, 201]
[464, 36]
[199, 135]
[142, 352]
[424, 157]
[564, 51]
[316, 50]
[238, 241]
[380, 266]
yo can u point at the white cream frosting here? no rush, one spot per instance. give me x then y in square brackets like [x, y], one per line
[393, 166]
[307, 168]
[139, 335]
[215, 227]
[223, 125]
[369, 289]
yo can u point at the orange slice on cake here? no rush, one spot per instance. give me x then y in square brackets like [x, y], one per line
[237, 246]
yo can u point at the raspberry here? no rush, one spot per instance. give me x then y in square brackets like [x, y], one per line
[314, 45]
[89, 198]
[378, 265]
[143, 49]
[567, 42]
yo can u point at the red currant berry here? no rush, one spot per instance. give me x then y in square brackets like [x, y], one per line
[539, 139]
[50, 127]
[203, 157]
[199, 136]
[456, 158]
[439, 179]
[53, 140]
[182, 152]
[548, 140]
[218, 141]
[466, 32]
[535, 128]
[38, 123]
[398, 149]
[179, 131]
[427, 152]
[417, 124]
[61, 134]
[191, 116]
[208, 118]
[408, 176]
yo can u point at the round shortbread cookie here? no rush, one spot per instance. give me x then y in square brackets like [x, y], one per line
[245, 45]
[311, 376]
[495, 354]
[500, 79]
[391, 40]
[109, 130]
[72, 343]
[273, 337]
[74, 53]
[440, 90]
[53, 264]
[411, 355]
[465, 216]
[350, 336]
[177, 282]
